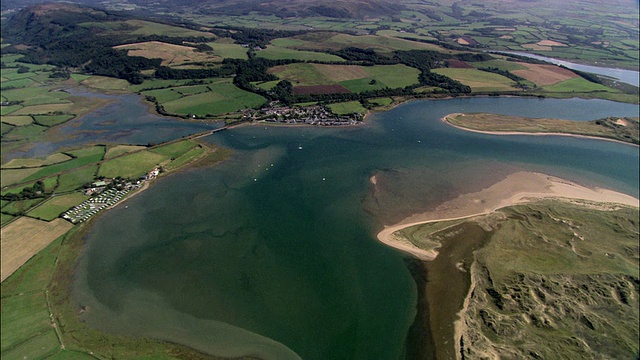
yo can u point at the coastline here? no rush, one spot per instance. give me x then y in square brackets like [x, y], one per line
[446, 121]
[517, 188]
[438, 279]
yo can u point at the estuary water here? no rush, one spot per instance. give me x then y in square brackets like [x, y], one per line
[273, 253]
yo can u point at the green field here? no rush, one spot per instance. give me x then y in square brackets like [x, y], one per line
[479, 81]
[55, 206]
[577, 85]
[349, 107]
[227, 50]
[52, 120]
[224, 98]
[19, 207]
[163, 95]
[191, 155]
[154, 28]
[17, 120]
[75, 179]
[359, 78]
[276, 53]
[157, 84]
[301, 74]
[393, 76]
[131, 166]
[174, 150]
[37, 162]
[118, 150]
[14, 176]
[84, 157]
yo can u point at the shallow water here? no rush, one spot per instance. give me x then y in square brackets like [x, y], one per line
[125, 120]
[273, 253]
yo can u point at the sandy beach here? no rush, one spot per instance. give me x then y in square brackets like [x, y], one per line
[517, 188]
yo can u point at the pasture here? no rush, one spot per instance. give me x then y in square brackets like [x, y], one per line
[56, 205]
[37, 162]
[224, 97]
[17, 120]
[83, 157]
[337, 41]
[349, 107]
[113, 151]
[479, 81]
[226, 49]
[24, 238]
[174, 150]
[578, 85]
[131, 166]
[154, 28]
[52, 120]
[73, 180]
[354, 78]
[273, 52]
[171, 54]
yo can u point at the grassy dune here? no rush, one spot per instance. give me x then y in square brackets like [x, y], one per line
[544, 280]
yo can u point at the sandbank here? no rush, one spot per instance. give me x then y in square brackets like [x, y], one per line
[517, 188]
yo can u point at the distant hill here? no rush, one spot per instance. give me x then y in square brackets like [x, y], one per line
[280, 8]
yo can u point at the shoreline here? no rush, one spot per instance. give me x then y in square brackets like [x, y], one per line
[517, 188]
[497, 132]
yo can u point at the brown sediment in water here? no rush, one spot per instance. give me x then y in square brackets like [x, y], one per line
[448, 283]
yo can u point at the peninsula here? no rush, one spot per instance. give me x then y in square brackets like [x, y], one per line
[502, 256]
[625, 129]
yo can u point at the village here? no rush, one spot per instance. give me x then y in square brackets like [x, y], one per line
[309, 115]
[105, 194]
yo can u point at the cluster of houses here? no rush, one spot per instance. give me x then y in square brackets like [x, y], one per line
[105, 193]
[310, 115]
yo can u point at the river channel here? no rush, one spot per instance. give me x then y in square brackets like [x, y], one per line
[273, 253]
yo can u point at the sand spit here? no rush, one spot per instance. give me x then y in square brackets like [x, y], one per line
[517, 188]
[619, 122]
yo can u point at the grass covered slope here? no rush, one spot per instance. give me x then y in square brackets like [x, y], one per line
[551, 279]
[622, 129]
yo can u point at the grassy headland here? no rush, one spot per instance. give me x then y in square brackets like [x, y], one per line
[621, 129]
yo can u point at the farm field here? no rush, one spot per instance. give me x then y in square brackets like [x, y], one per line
[55, 206]
[73, 180]
[113, 151]
[171, 54]
[337, 41]
[479, 81]
[131, 166]
[273, 52]
[347, 108]
[37, 162]
[221, 97]
[16, 250]
[577, 85]
[543, 75]
[226, 49]
[354, 78]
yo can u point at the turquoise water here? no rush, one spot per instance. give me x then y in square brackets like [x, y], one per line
[273, 253]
